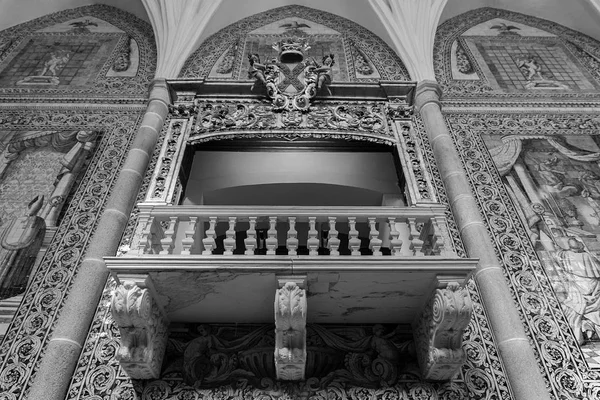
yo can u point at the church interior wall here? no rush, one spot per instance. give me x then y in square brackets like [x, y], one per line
[520, 101]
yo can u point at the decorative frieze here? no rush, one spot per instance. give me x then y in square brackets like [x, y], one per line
[143, 331]
[438, 332]
[164, 180]
[350, 120]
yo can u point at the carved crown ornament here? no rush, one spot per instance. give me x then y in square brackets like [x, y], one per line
[290, 81]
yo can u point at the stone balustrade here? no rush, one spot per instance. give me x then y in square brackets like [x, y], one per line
[292, 231]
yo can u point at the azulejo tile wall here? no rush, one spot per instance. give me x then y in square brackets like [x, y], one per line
[521, 100]
[490, 52]
[86, 52]
[100, 61]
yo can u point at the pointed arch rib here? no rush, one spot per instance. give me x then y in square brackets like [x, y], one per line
[411, 25]
[178, 25]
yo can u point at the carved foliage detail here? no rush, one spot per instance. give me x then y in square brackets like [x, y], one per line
[162, 185]
[290, 332]
[365, 121]
[439, 331]
[143, 331]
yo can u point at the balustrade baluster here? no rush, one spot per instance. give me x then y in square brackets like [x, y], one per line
[271, 241]
[229, 241]
[313, 242]
[168, 242]
[209, 241]
[292, 237]
[190, 237]
[437, 243]
[374, 242]
[250, 241]
[353, 240]
[415, 241]
[333, 242]
[395, 242]
[145, 243]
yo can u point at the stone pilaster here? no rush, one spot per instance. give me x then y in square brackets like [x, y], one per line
[519, 360]
[52, 379]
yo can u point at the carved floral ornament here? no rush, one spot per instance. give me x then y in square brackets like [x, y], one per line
[143, 331]
[215, 120]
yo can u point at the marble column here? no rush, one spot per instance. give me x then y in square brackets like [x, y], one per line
[523, 372]
[53, 377]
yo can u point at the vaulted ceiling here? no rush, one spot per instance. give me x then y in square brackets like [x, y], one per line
[581, 15]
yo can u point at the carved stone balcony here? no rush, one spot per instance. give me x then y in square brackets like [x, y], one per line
[364, 264]
[358, 265]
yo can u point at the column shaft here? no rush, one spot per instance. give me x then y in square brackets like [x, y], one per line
[519, 360]
[51, 381]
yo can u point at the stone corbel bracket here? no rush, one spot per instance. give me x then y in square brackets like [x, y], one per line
[143, 327]
[290, 328]
[439, 330]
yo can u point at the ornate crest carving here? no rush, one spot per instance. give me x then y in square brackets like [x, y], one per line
[143, 331]
[438, 333]
[289, 92]
[290, 332]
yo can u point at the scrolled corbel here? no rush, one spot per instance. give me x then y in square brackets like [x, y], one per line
[439, 330]
[290, 330]
[143, 330]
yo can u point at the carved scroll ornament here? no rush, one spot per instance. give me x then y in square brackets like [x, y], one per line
[290, 332]
[143, 331]
[438, 333]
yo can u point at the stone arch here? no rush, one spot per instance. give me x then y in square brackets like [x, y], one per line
[122, 64]
[355, 43]
[514, 35]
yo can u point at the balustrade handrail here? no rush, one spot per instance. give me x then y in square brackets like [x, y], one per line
[342, 212]
[404, 231]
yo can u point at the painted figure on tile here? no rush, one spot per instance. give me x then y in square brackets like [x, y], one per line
[581, 283]
[20, 243]
[550, 170]
[590, 183]
[556, 183]
[530, 68]
[57, 61]
[362, 65]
